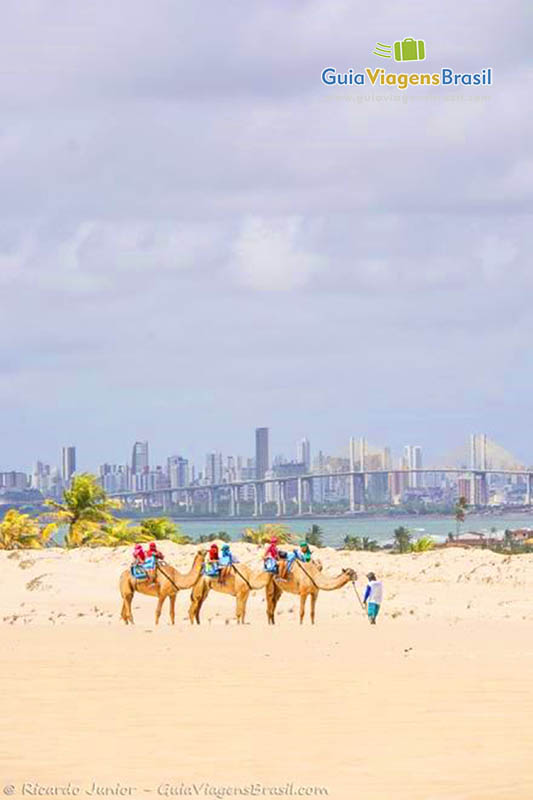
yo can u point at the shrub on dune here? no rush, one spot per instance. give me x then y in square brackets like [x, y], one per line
[265, 532]
[20, 531]
[423, 544]
[161, 528]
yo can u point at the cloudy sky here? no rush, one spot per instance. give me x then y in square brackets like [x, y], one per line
[197, 237]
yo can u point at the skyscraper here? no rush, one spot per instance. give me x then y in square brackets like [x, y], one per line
[478, 451]
[68, 463]
[413, 460]
[213, 468]
[304, 454]
[262, 459]
[178, 471]
[139, 458]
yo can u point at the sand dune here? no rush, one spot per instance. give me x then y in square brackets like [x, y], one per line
[65, 586]
[434, 702]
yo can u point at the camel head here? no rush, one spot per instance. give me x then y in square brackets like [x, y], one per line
[351, 573]
[201, 553]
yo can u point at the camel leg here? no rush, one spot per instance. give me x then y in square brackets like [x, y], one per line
[269, 597]
[126, 613]
[193, 608]
[172, 601]
[197, 601]
[269, 603]
[160, 601]
[303, 598]
[242, 597]
[201, 601]
[314, 598]
[272, 603]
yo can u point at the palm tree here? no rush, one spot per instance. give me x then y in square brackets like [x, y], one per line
[85, 508]
[369, 544]
[315, 536]
[402, 538]
[352, 543]
[460, 513]
[265, 532]
[20, 531]
[159, 528]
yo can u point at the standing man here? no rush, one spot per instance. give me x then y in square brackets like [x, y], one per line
[373, 597]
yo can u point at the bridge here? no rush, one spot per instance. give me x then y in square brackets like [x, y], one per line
[476, 489]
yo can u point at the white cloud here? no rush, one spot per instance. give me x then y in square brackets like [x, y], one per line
[271, 255]
[154, 166]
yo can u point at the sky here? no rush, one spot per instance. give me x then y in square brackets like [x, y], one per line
[197, 237]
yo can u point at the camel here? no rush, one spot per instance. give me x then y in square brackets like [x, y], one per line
[162, 588]
[305, 580]
[239, 583]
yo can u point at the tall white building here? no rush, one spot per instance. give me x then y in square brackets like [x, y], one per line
[478, 451]
[412, 459]
[177, 471]
[358, 454]
[304, 453]
[68, 464]
[213, 468]
[139, 458]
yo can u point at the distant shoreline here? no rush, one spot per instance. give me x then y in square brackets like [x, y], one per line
[310, 517]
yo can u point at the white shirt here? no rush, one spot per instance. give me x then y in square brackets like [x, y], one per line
[376, 592]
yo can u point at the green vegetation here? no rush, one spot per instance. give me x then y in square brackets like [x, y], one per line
[265, 532]
[211, 537]
[19, 531]
[402, 539]
[159, 528]
[315, 536]
[85, 508]
[460, 513]
[422, 545]
[360, 543]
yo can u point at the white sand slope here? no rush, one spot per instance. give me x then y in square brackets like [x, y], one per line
[434, 702]
[64, 586]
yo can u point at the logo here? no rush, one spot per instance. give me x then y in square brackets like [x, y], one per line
[406, 50]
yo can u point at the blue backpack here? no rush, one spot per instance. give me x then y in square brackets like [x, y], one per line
[271, 565]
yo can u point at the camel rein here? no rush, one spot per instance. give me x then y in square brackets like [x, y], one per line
[239, 573]
[308, 575]
[169, 579]
[318, 587]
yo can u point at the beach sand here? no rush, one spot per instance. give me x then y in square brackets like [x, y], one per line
[433, 702]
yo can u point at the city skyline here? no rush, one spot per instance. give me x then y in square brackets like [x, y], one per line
[369, 477]
[410, 457]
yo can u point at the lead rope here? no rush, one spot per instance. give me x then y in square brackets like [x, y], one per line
[306, 572]
[169, 579]
[249, 585]
[360, 601]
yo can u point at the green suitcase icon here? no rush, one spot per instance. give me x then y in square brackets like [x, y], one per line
[410, 50]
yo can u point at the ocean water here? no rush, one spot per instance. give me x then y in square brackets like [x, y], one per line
[379, 528]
